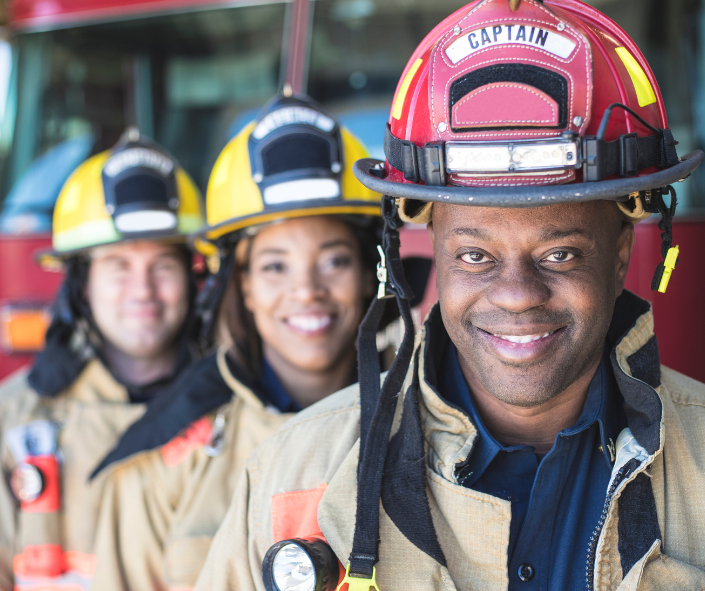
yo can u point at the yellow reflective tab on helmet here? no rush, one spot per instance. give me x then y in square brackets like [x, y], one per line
[404, 88]
[644, 91]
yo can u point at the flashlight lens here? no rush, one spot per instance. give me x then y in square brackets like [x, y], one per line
[293, 569]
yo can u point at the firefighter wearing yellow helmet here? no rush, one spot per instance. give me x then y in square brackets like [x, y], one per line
[294, 236]
[122, 330]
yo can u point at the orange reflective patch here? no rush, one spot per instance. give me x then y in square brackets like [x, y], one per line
[48, 586]
[295, 514]
[81, 563]
[46, 560]
[191, 438]
[23, 329]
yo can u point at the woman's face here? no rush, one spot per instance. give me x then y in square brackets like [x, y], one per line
[306, 288]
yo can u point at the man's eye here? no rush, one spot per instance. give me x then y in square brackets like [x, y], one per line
[560, 256]
[475, 258]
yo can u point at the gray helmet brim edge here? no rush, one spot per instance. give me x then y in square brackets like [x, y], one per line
[527, 196]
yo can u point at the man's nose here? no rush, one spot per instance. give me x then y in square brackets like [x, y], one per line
[141, 283]
[519, 287]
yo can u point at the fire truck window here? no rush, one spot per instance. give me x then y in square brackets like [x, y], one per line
[182, 78]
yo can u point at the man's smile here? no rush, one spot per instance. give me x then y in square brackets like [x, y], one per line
[521, 345]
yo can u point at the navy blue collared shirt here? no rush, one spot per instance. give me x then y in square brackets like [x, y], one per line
[556, 500]
[272, 392]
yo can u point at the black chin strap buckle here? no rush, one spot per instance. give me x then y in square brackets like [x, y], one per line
[390, 271]
[382, 276]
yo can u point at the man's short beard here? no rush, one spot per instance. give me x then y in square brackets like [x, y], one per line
[515, 388]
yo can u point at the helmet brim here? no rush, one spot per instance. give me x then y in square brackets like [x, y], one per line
[233, 226]
[526, 196]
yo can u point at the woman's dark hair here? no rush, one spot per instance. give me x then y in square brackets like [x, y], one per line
[235, 327]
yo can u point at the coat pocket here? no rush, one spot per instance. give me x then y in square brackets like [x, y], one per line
[658, 572]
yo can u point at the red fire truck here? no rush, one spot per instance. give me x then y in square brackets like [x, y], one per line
[190, 74]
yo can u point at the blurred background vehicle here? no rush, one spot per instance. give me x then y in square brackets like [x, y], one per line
[191, 74]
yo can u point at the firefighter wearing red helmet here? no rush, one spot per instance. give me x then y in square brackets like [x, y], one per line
[529, 438]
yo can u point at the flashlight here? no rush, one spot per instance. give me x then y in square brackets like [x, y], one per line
[300, 565]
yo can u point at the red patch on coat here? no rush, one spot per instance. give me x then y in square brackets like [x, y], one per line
[295, 514]
[45, 560]
[194, 436]
[49, 501]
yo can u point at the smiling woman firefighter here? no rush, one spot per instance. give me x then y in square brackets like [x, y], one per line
[530, 439]
[295, 235]
[123, 329]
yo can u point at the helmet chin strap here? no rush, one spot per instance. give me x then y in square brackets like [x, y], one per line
[669, 254]
[210, 299]
[378, 405]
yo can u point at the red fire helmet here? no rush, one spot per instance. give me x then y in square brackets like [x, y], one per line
[519, 103]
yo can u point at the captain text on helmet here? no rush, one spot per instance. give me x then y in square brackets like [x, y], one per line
[121, 331]
[534, 441]
[293, 236]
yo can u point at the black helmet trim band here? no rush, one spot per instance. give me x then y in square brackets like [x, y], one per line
[368, 169]
[140, 190]
[599, 159]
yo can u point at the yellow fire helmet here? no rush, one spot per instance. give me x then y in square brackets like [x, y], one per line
[134, 191]
[293, 161]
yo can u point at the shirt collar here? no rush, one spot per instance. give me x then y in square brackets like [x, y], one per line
[601, 406]
[273, 392]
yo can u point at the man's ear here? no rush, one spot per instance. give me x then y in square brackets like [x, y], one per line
[431, 234]
[625, 246]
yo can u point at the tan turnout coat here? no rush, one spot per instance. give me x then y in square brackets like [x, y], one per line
[318, 451]
[163, 506]
[51, 547]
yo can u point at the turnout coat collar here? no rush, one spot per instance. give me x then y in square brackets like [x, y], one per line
[444, 536]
